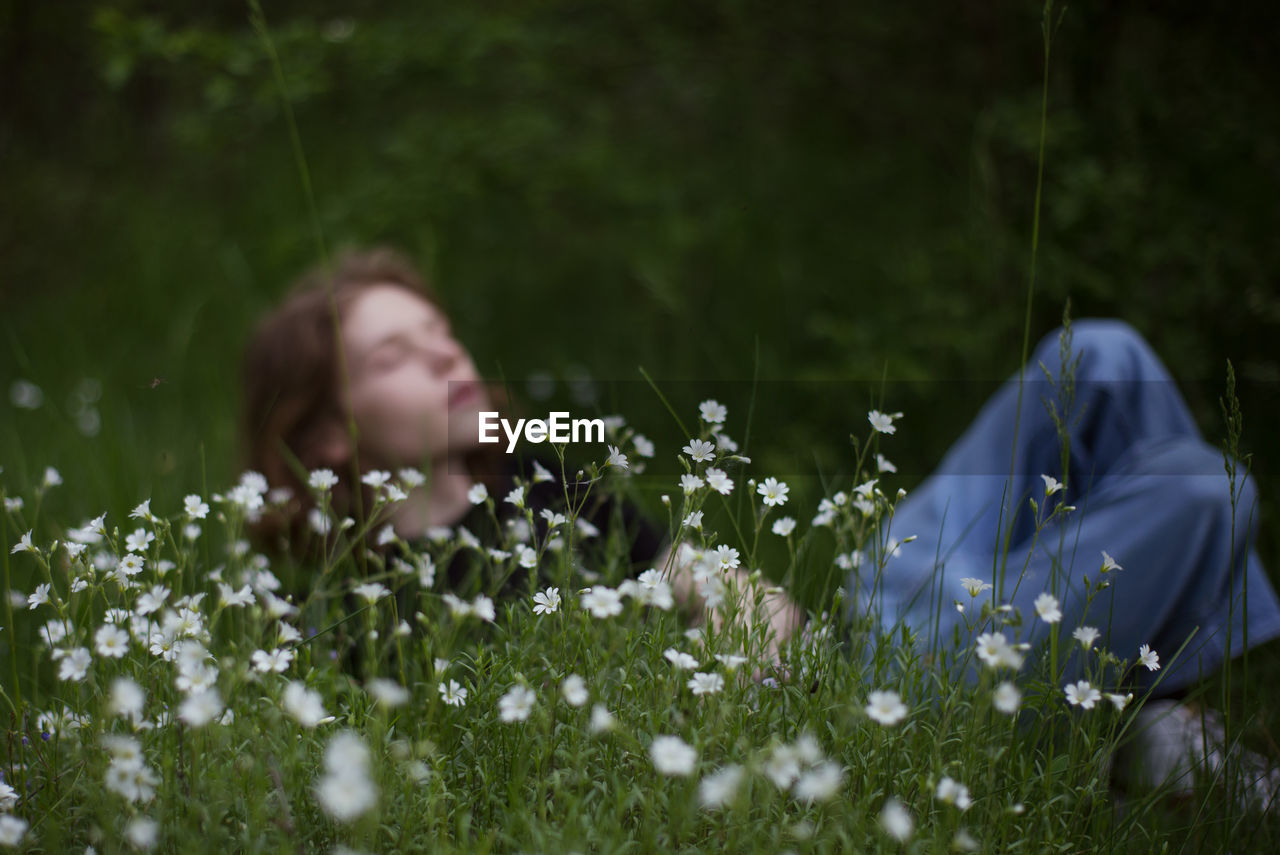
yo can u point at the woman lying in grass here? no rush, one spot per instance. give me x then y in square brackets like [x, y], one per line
[1119, 552]
[396, 392]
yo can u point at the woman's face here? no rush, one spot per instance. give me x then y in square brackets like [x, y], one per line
[413, 392]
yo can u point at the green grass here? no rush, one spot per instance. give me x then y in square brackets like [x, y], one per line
[819, 201]
[459, 778]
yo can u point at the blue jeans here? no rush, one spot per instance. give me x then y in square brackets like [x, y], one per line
[1148, 490]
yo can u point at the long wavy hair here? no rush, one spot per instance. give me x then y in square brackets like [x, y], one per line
[291, 383]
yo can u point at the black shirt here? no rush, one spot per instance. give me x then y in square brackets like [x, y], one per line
[611, 530]
[610, 527]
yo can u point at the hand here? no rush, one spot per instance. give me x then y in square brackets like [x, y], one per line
[758, 600]
[767, 610]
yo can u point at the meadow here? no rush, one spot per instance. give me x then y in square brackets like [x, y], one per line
[728, 197]
[190, 694]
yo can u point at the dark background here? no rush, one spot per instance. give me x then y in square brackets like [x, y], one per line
[822, 195]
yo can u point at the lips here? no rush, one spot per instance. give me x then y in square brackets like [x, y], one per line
[463, 393]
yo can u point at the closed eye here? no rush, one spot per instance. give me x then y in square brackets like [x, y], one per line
[389, 355]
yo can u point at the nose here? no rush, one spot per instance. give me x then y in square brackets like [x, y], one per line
[443, 352]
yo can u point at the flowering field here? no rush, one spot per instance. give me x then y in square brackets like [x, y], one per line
[176, 690]
[171, 686]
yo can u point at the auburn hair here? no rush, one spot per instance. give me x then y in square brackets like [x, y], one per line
[291, 395]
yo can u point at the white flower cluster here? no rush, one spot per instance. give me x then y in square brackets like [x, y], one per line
[802, 768]
[952, 792]
[649, 589]
[709, 567]
[128, 774]
[150, 620]
[867, 499]
[480, 607]
[305, 706]
[346, 790]
[998, 652]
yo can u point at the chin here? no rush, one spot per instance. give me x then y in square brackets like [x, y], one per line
[464, 434]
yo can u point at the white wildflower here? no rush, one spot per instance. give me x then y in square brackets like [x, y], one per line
[679, 659]
[453, 694]
[953, 792]
[74, 665]
[574, 690]
[389, 693]
[712, 411]
[1006, 698]
[304, 705]
[996, 651]
[1120, 701]
[671, 755]
[111, 641]
[719, 788]
[1082, 694]
[602, 601]
[371, 592]
[346, 790]
[277, 660]
[195, 507]
[883, 422]
[39, 596]
[705, 684]
[719, 481]
[142, 833]
[547, 601]
[896, 820]
[617, 459]
[773, 491]
[1048, 608]
[139, 540]
[201, 708]
[322, 480]
[1086, 635]
[482, 607]
[820, 783]
[516, 704]
[127, 699]
[731, 661]
[700, 451]
[601, 719]
[12, 830]
[886, 707]
[227, 596]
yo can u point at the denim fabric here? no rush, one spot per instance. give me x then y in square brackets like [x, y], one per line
[1148, 489]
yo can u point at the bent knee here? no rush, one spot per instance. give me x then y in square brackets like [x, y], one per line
[1107, 334]
[1108, 349]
